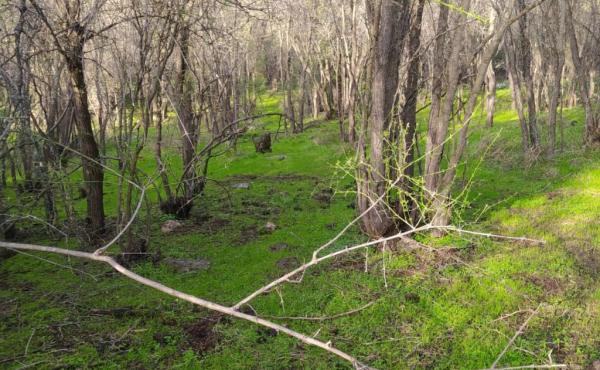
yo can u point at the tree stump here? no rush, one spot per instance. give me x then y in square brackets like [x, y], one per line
[262, 143]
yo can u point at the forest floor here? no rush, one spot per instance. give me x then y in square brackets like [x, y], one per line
[453, 308]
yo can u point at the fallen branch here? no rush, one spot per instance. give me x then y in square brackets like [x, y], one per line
[187, 297]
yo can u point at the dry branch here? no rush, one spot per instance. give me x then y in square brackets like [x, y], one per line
[315, 259]
[186, 297]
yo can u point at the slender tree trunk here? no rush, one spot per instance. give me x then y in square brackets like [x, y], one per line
[490, 96]
[22, 101]
[407, 207]
[555, 96]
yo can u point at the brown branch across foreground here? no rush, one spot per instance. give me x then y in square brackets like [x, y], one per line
[187, 297]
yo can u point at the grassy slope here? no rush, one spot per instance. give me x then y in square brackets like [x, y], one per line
[438, 311]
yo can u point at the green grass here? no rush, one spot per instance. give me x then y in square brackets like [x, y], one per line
[440, 310]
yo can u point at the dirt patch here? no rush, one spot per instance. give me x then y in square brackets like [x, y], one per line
[264, 334]
[248, 234]
[207, 224]
[216, 224]
[348, 263]
[258, 209]
[586, 256]
[548, 284]
[202, 336]
[186, 265]
[324, 197]
[562, 193]
[288, 263]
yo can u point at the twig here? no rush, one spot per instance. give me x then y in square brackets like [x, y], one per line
[506, 316]
[29, 342]
[324, 318]
[493, 236]
[556, 366]
[512, 340]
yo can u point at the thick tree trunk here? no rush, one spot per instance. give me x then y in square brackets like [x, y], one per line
[442, 99]
[93, 174]
[187, 124]
[384, 82]
[526, 61]
[517, 101]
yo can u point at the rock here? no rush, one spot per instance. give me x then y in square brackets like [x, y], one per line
[281, 157]
[170, 226]
[279, 247]
[288, 263]
[241, 185]
[269, 227]
[183, 265]
[596, 365]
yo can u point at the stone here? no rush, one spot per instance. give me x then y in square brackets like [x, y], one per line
[241, 185]
[269, 227]
[170, 226]
[281, 157]
[183, 265]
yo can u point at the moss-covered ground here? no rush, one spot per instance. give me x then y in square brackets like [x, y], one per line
[455, 308]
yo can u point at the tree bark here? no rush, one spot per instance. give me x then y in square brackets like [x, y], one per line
[389, 18]
[490, 96]
[93, 174]
[592, 128]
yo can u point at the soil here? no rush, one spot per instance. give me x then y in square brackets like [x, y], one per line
[202, 336]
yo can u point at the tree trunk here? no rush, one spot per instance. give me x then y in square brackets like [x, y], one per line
[93, 174]
[187, 125]
[406, 205]
[490, 96]
[22, 101]
[592, 129]
[384, 82]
